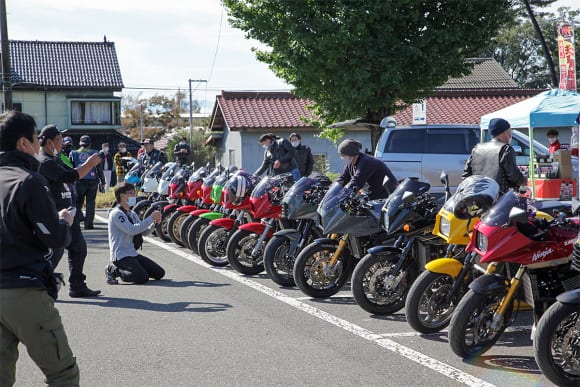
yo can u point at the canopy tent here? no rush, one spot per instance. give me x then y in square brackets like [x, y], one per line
[551, 108]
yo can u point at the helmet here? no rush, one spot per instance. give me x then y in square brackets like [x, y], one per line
[237, 188]
[475, 195]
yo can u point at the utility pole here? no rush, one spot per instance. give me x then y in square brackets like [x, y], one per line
[5, 47]
[191, 110]
[141, 119]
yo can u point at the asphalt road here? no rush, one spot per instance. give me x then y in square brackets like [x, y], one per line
[204, 326]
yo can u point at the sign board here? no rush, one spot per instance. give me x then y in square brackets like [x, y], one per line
[566, 56]
[420, 113]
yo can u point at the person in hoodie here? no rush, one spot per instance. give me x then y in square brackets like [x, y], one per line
[279, 156]
[30, 227]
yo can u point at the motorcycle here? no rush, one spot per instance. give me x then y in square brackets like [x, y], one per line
[236, 198]
[541, 248]
[557, 335]
[176, 195]
[160, 200]
[382, 279]
[354, 225]
[300, 203]
[435, 293]
[145, 182]
[245, 249]
[193, 198]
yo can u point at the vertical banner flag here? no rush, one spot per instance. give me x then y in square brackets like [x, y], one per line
[566, 55]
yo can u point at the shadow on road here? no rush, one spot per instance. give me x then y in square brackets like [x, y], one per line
[128, 303]
[518, 364]
[183, 284]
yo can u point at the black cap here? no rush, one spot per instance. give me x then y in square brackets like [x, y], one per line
[349, 147]
[49, 132]
[147, 141]
[497, 126]
[85, 140]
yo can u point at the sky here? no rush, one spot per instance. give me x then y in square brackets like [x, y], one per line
[160, 44]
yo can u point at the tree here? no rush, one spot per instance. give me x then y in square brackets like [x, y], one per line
[361, 58]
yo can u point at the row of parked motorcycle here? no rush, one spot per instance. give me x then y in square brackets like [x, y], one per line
[465, 260]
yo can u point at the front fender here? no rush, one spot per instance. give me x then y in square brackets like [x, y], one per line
[289, 233]
[254, 227]
[326, 241]
[187, 208]
[489, 284]
[569, 297]
[212, 215]
[383, 249]
[447, 266]
[226, 223]
[199, 212]
[169, 207]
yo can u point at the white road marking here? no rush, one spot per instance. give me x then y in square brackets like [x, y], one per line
[411, 354]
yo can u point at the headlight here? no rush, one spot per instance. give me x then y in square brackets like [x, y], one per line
[481, 242]
[444, 227]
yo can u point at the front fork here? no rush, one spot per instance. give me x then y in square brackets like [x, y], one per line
[514, 285]
[269, 226]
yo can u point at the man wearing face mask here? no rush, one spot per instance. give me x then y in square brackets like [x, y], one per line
[279, 156]
[303, 156]
[362, 170]
[181, 151]
[125, 237]
[496, 159]
[61, 181]
[554, 142]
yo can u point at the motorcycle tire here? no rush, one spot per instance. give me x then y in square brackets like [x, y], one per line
[375, 289]
[195, 231]
[161, 228]
[556, 344]
[141, 207]
[152, 207]
[277, 263]
[174, 226]
[184, 229]
[309, 270]
[426, 308]
[239, 250]
[212, 245]
[469, 332]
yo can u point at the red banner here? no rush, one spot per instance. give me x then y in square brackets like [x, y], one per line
[566, 55]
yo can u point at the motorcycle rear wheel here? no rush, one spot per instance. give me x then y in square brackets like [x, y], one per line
[372, 284]
[470, 334]
[239, 251]
[426, 308]
[212, 245]
[277, 263]
[174, 226]
[557, 344]
[311, 270]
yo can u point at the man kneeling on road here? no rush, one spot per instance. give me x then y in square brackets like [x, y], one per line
[125, 237]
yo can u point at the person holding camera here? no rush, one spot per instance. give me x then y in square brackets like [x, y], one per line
[126, 237]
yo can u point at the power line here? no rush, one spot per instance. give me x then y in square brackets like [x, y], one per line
[217, 44]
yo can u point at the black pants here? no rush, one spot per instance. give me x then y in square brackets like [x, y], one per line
[87, 189]
[137, 269]
[77, 253]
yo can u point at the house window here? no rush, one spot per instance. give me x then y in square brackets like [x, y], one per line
[232, 157]
[15, 106]
[95, 112]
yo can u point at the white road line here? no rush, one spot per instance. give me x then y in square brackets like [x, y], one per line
[411, 354]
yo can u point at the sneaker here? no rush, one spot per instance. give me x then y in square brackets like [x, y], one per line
[86, 292]
[59, 278]
[111, 280]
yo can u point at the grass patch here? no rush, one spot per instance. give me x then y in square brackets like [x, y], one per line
[105, 200]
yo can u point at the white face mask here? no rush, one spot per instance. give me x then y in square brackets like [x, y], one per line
[265, 146]
[182, 142]
[131, 200]
[55, 152]
[295, 144]
[122, 150]
[105, 149]
[553, 139]
[347, 159]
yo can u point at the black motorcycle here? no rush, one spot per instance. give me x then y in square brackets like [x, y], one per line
[382, 279]
[300, 204]
[325, 265]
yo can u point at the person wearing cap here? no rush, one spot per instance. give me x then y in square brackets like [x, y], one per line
[67, 147]
[88, 186]
[61, 181]
[151, 156]
[181, 151]
[553, 139]
[362, 169]
[496, 158]
[121, 167]
[30, 227]
[279, 156]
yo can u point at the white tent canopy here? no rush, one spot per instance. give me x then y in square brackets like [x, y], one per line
[549, 109]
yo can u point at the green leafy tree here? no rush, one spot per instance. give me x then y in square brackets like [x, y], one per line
[360, 58]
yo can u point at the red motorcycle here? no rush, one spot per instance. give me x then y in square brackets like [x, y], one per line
[245, 249]
[176, 195]
[510, 233]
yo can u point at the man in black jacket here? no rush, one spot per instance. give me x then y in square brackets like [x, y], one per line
[181, 151]
[279, 156]
[496, 158]
[61, 181]
[30, 228]
[362, 170]
[303, 155]
[151, 155]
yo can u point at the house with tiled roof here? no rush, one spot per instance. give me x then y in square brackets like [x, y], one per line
[239, 118]
[70, 84]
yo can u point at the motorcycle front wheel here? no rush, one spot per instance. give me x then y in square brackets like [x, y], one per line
[239, 252]
[470, 332]
[427, 309]
[141, 207]
[277, 262]
[174, 226]
[194, 232]
[314, 275]
[184, 229]
[376, 288]
[212, 245]
[557, 344]
[161, 228]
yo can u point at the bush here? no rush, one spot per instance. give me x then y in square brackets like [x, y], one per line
[105, 200]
